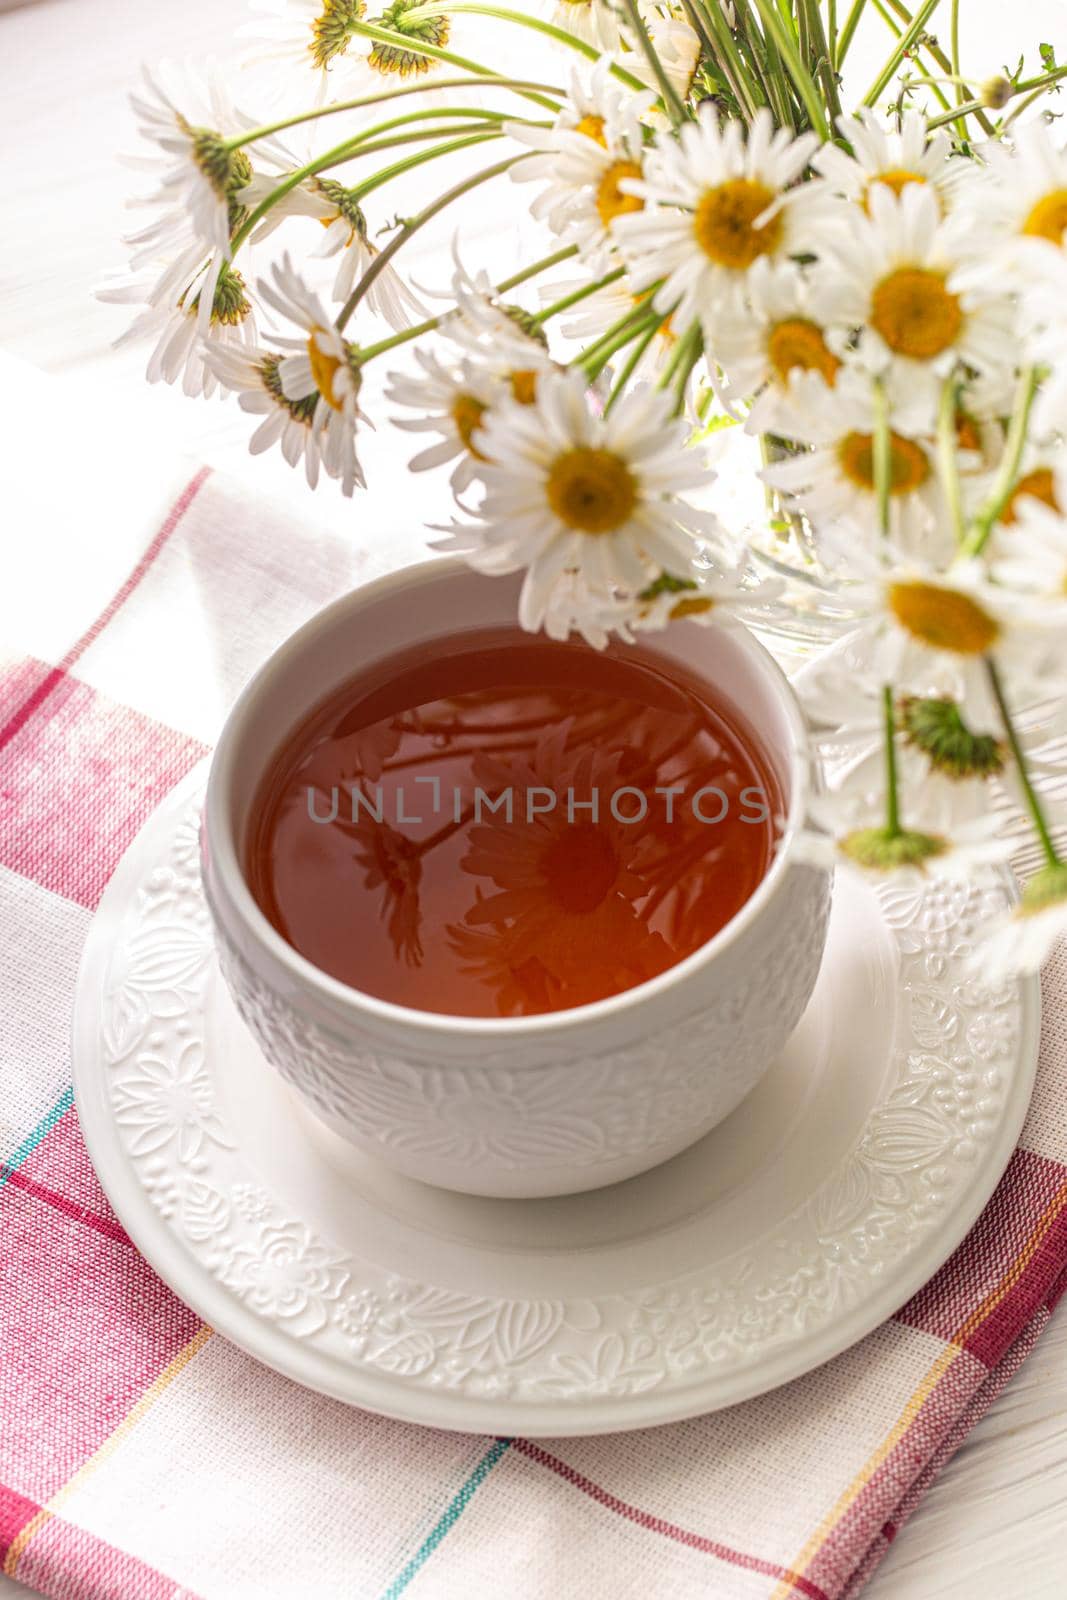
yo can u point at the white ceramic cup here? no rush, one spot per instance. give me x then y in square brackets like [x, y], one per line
[537, 1105]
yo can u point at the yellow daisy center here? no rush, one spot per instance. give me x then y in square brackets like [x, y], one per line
[610, 200]
[943, 618]
[1048, 219]
[1036, 485]
[895, 178]
[467, 414]
[908, 465]
[593, 128]
[591, 491]
[324, 369]
[692, 607]
[725, 223]
[524, 385]
[798, 342]
[915, 313]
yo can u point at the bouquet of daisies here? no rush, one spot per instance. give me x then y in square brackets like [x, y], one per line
[871, 291]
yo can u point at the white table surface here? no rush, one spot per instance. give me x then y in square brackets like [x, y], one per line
[995, 1522]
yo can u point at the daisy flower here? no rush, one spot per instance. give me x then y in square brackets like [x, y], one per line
[708, 596]
[1026, 204]
[1042, 481]
[322, 367]
[892, 273]
[895, 157]
[850, 827]
[487, 328]
[1032, 556]
[251, 373]
[181, 331]
[568, 491]
[676, 43]
[1022, 941]
[594, 148]
[315, 34]
[572, 609]
[345, 235]
[778, 336]
[321, 37]
[713, 205]
[449, 400]
[835, 479]
[452, 398]
[200, 176]
[593, 21]
[598, 312]
[928, 631]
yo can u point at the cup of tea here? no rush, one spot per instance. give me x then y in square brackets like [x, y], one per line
[513, 916]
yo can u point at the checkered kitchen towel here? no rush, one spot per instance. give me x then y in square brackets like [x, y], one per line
[142, 1456]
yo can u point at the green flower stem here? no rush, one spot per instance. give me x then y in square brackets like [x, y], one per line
[954, 46]
[1033, 803]
[721, 45]
[629, 366]
[831, 29]
[329, 158]
[948, 455]
[971, 108]
[358, 144]
[631, 316]
[717, 60]
[399, 239]
[1008, 471]
[848, 31]
[1020, 108]
[474, 8]
[667, 93]
[596, 357]
[762, 54]
[418, 47]
[882, 8]
[387, 174]
[684, 357]
[938, 56]
[905, 43]
[750, 49]
[469, 82]
[543, 265]
[416, 331]
[680, 355]
[572, 299]
[892, 786]
[801, 78]
[822, 59]
[882, 455]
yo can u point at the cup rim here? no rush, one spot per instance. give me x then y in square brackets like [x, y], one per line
[226, 862]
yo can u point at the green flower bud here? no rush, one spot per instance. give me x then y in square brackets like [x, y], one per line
[426, 30]
[879, 850]
[936, 727]
[332, 29]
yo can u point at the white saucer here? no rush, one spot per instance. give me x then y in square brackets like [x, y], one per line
[792, 1230]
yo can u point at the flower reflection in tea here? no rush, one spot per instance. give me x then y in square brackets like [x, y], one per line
[515, 826]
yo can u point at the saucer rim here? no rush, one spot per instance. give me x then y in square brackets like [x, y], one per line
[356, 1384]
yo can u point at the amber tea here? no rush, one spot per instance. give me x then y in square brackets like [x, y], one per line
[502, 825]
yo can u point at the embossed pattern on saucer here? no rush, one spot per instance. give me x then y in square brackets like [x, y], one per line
[793, 1229]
